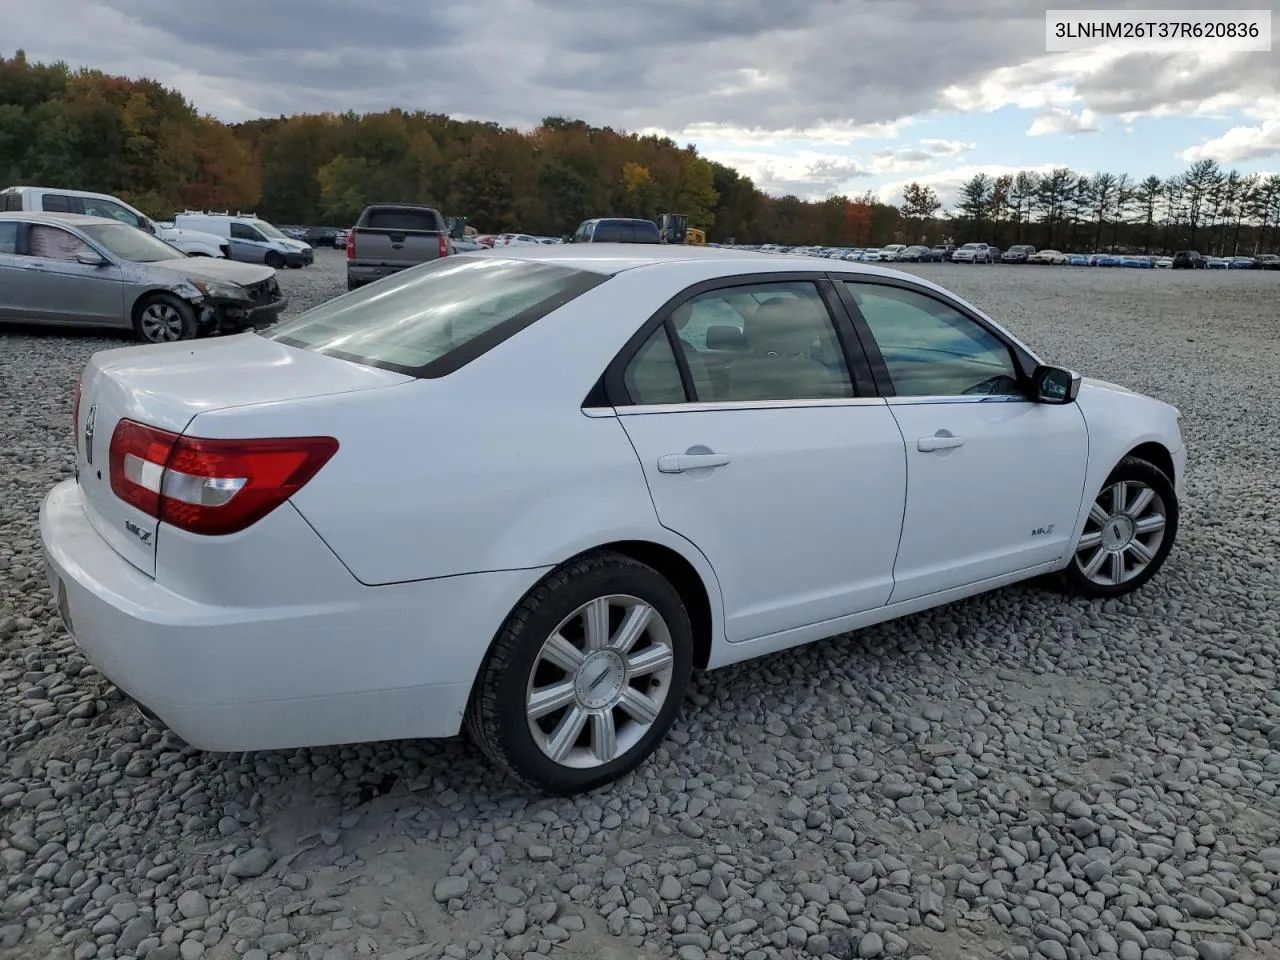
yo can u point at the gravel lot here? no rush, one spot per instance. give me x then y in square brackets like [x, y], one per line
[1014, 776]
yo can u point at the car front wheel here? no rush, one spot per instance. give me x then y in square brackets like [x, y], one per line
[585, 677]
[1128, 534]
[162, 318]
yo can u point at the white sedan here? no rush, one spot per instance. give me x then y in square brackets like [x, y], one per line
[1054, 258]
[526, 492]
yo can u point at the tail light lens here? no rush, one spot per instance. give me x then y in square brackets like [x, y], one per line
[351, 245]
[211, 487]
[444, 245]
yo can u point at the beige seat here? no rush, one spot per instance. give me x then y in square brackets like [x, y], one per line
[781, 337]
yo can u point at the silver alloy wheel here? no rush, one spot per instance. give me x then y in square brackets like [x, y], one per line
[161, 322]
[600, 681]
[1122, 535]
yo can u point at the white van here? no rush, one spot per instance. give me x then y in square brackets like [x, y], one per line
[51, 200]
[253, 240]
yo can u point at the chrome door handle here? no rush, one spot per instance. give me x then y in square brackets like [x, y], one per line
[930, 444]
[680, 462]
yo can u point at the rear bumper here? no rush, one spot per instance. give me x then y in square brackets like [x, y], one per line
[369, 272]
[336, 662]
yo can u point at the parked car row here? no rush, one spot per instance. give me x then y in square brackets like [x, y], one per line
[984, 253]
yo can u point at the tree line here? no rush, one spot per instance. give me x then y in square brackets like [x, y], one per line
[135, 138]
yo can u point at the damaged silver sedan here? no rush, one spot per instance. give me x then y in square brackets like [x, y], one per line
[68, 269]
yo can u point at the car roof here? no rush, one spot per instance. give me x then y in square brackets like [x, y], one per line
[68, 219]
[613, 258]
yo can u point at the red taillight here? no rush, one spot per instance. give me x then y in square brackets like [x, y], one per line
[75, 411]
[444, 245]
[207, 486]
[351, 245]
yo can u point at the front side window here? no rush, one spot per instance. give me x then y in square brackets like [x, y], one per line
[930, 348]
[111, 210]
[767, 341]
[430, 319]
[240, 231]
[54, 243]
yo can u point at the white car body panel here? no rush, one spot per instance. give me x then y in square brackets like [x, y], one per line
[973, 510]
[840, 545]
[363, 607]
[191, 241]
[156, 384]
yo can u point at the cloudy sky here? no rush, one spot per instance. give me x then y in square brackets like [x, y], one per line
[806, 96]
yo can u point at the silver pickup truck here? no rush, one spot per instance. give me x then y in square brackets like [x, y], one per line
[390, 237]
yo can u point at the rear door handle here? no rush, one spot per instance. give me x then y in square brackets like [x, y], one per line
[680, 462]
[930, 444]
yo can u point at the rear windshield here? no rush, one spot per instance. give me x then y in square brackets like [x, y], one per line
[403, 220]
[429, 320]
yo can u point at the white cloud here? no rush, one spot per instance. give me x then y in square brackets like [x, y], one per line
[947, 183]
[833, 134]
[1239, 143]
[1061, 120]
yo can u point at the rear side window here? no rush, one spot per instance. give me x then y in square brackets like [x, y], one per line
[611, 231]
[58, 203]
[404, 220]
[8, 238]
[430, 320]
[645, 231]
[12, 202]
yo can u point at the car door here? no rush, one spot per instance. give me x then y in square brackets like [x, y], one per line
[54, 286]
[11, 272]
[762, 450]
[247, 244]
[994, 479]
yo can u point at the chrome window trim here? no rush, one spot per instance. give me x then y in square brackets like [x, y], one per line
[726, 405]
[945, 398]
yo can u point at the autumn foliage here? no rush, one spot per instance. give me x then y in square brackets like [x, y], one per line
[136, 139]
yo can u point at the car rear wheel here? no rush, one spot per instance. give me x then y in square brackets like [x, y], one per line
[585, 677]
[164, 319]
[1128, 534]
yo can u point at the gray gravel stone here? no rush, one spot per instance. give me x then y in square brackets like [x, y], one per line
[1018, 774]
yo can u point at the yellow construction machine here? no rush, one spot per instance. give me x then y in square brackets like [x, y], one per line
[675, 229]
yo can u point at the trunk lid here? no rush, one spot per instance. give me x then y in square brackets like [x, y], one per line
[166, 386]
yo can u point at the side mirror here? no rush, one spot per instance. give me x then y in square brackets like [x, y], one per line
[91, 259]
[149, 227]
[1055, 385]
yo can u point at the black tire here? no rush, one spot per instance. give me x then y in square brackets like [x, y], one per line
[273, 260]
[1133, 470]
[145, 319]
[496, 715]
